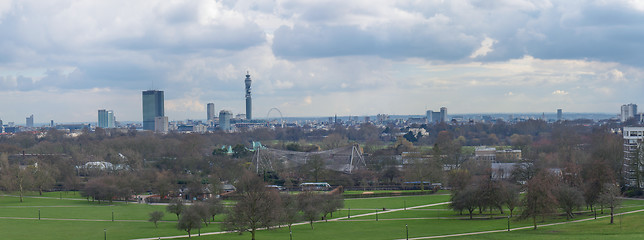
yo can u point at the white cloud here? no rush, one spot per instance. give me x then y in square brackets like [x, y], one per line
[486, 47]
[283, 84]
[559, 92]
[613, 75]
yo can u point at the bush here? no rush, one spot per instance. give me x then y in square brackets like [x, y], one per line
[634, 193]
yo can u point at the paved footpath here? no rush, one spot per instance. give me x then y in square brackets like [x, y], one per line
[59, 198]
[75, 219]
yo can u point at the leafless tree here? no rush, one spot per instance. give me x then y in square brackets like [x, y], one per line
[15, 178]
[539, 199]
[569, 199]
[610, 198]
[43, 176]
[257, 207]
[202, 210]
[331, 203]
[215, 206]
[510, 196]
[155, 217]
[289, 213]
[176, 206]
[315, 167]
[309, 204]
[190, 219]
[465, 199]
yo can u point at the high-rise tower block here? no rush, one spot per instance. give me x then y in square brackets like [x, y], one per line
[152, 108]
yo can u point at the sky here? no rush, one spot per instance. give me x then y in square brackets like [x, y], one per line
[63, 60]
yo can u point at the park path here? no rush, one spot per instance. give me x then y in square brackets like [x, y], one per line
[59, 198]
[389, 211]
[518, 228]
[76, 219]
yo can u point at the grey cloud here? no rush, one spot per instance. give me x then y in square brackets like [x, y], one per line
[19, 83]
[604, 33]
[62, 30]
[25, 83]
[331, 41]
[127, 75]
[182, 43]
[558, 30]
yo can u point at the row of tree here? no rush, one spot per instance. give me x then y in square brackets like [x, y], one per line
[262, 207]
[545, 193]
[257, 207]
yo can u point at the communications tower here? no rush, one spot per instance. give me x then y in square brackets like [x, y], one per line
[249, 101]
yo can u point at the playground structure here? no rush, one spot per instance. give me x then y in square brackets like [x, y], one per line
[344, 159]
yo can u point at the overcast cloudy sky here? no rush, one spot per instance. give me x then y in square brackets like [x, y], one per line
[64, 60]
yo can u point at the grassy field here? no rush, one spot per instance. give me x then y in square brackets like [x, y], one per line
[69, 216]
[391, 191]
[625, 227]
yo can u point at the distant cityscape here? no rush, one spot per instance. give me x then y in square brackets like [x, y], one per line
[154, 118]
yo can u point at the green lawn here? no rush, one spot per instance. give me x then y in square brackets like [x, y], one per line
[625, 227]
[394, 202]
[83, 209]
[390, 191]
[34, 229]
[376, 191]
[73, 217]
[395, 229]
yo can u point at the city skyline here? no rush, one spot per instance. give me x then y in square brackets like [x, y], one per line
[64, 60]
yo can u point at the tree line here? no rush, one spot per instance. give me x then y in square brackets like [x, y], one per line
[169, 163]
[546, 193]
[256, 207]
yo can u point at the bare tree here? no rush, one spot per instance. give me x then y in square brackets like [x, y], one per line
[257, 207]
[491, 194]
[596, 174]
[334, 140]
[569, 199]
[215, 206]
[163, 182]
[101, 188]
[539, 199]
[459, 179]
[289, 211]
[510, 196]
[308, 203]
[190, 219]
[203, 210]
[465, 199]
[43, 176]
[176, 206]
[155, 217]
[422, 169]
[15, 178]
[610, 198]
[315, 166]
[331, 203]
